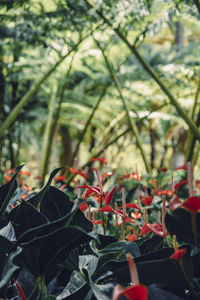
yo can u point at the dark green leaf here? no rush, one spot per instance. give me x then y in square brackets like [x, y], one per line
[8, 253]
[35, 200]
[25, 217]
[7, 190]
[178, 222]
[45, 252]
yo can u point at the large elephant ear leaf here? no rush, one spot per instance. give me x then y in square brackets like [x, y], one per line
[36, 199]
[8, 254]
[7, 190]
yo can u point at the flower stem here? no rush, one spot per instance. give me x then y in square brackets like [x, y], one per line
[194, 227]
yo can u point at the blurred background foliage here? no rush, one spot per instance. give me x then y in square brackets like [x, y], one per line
[58, 99]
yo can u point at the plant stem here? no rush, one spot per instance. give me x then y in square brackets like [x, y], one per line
[33, 291]
[194, 227]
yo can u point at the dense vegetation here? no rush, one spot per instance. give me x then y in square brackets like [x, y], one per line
[105, 90]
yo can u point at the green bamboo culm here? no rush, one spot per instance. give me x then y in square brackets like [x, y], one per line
[191, 138]
[151, 72]
[130, 120]
[88, 123]
[47, 141]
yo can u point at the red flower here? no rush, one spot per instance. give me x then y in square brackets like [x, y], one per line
[11, 171]
[137, 292]
[132, 175]
[60, 178]
[155, 228]
[102, 160]
[179, 184]
[181, 168]
[132, 237]
[163, 192]
[26, 173]
[132, 205]
[95, 222]
[134, 292]
[197, 183]
[192, 204]
[177, 255]
[109, 196]
[81, 173]
[136, 215]
[174, 203]
[91, 189]
[84, 206]
[147, 200]
[7, 178]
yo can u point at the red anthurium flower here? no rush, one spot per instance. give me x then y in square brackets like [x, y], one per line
[11, 171]
[26, 173]
[20, 290]
[60, 178]
[179, 184]
[147, 200]
[23, 197]
[138, 292]
[132, 205]
[163, 192]
[132, 237]
[109, 196]
[181, 168]
[84, 206]
[90, 188]
[136, 215]
[192, 204]
[132, 175]
[197, 183]
[178, 253]
[155, 228]
[174, 203]
[102, 160]
[7, 178]
[134, 292]
[81, 173]
[104, 176]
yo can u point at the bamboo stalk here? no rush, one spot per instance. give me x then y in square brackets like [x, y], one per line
[191, 138]
[130, 120]
[151, 72]
[88, 123]
[45, 154]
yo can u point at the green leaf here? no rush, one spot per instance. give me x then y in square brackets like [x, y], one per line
[8, 253]
[55, 204]
[35, 200]
[43, 253]
[178, 222]
[122, 248]
[7, 190]
[24, 217]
